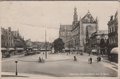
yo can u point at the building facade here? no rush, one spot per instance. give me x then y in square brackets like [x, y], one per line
[113, 31]
[95, 41]
[89, 25]
[113, 37]
[7, 38]
[81, 30]
[11, 40]
[65, 34]
[75, 31]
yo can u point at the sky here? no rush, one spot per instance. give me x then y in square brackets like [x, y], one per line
[31, 18]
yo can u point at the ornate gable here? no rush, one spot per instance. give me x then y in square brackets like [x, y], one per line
[88, 18]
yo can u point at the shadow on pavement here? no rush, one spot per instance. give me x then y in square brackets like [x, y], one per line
[12, 76]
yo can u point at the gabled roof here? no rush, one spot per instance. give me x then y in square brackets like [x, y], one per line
[88, 18]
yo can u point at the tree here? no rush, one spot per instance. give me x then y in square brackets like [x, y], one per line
[58, 45]
[102, 46]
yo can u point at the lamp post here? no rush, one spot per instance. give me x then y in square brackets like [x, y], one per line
[69, 47]
[16, 72]
[98, 44]
[106, 38]
[45, 44]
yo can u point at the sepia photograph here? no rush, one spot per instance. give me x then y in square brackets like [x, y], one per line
[59, 39]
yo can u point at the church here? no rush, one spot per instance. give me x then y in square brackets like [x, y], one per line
[80, 31]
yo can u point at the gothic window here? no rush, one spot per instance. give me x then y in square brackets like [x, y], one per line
[110, 41]
[113, 40]
[62, 33]
[110, 29]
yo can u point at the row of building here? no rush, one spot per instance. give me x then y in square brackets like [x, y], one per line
[13, 43]
[11, 40]
[83, 34]
[36, 45]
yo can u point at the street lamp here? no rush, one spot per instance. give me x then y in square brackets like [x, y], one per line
[98, 43]
[16, 73]
[106, 37]
[45, 44]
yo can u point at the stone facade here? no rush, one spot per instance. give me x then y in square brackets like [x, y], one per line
[11, 39]
[82, 30]
[80, 27]
[65, 34]
[113, 37]
[113, 31]
[7, 38]
[95, 39]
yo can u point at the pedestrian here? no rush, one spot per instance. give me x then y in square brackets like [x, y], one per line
[75, 59]
[98, 59]
[90, 60]
[40, 60]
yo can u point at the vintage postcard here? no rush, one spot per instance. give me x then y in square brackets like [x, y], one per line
[59, 39]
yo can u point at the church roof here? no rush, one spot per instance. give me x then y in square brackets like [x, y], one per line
[88, 18]
[66, 27]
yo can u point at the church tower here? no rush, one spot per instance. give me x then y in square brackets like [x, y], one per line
[75, 16]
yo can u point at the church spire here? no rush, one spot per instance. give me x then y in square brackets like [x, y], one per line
[75, 16]
[96, 23]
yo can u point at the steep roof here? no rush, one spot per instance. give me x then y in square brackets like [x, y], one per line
[88, 18]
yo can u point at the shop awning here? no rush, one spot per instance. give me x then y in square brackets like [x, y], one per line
[94, 50]
[114, 50]
[35, 49]
[11, 49]
[3, 49]
[19, 48]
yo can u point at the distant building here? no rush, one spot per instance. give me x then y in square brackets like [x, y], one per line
[3, 38]
[65, 34]
[75, 31]
[95, 39]
[81, 30]
[89, 25]
[41, 45]
[113, 37]
[11, 40]
[113, 31]
[7, 38]
[29, 43]
[18, 40]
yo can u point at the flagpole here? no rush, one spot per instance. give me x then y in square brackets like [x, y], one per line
[45, 44]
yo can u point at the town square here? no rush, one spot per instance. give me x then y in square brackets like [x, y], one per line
[59, 39]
